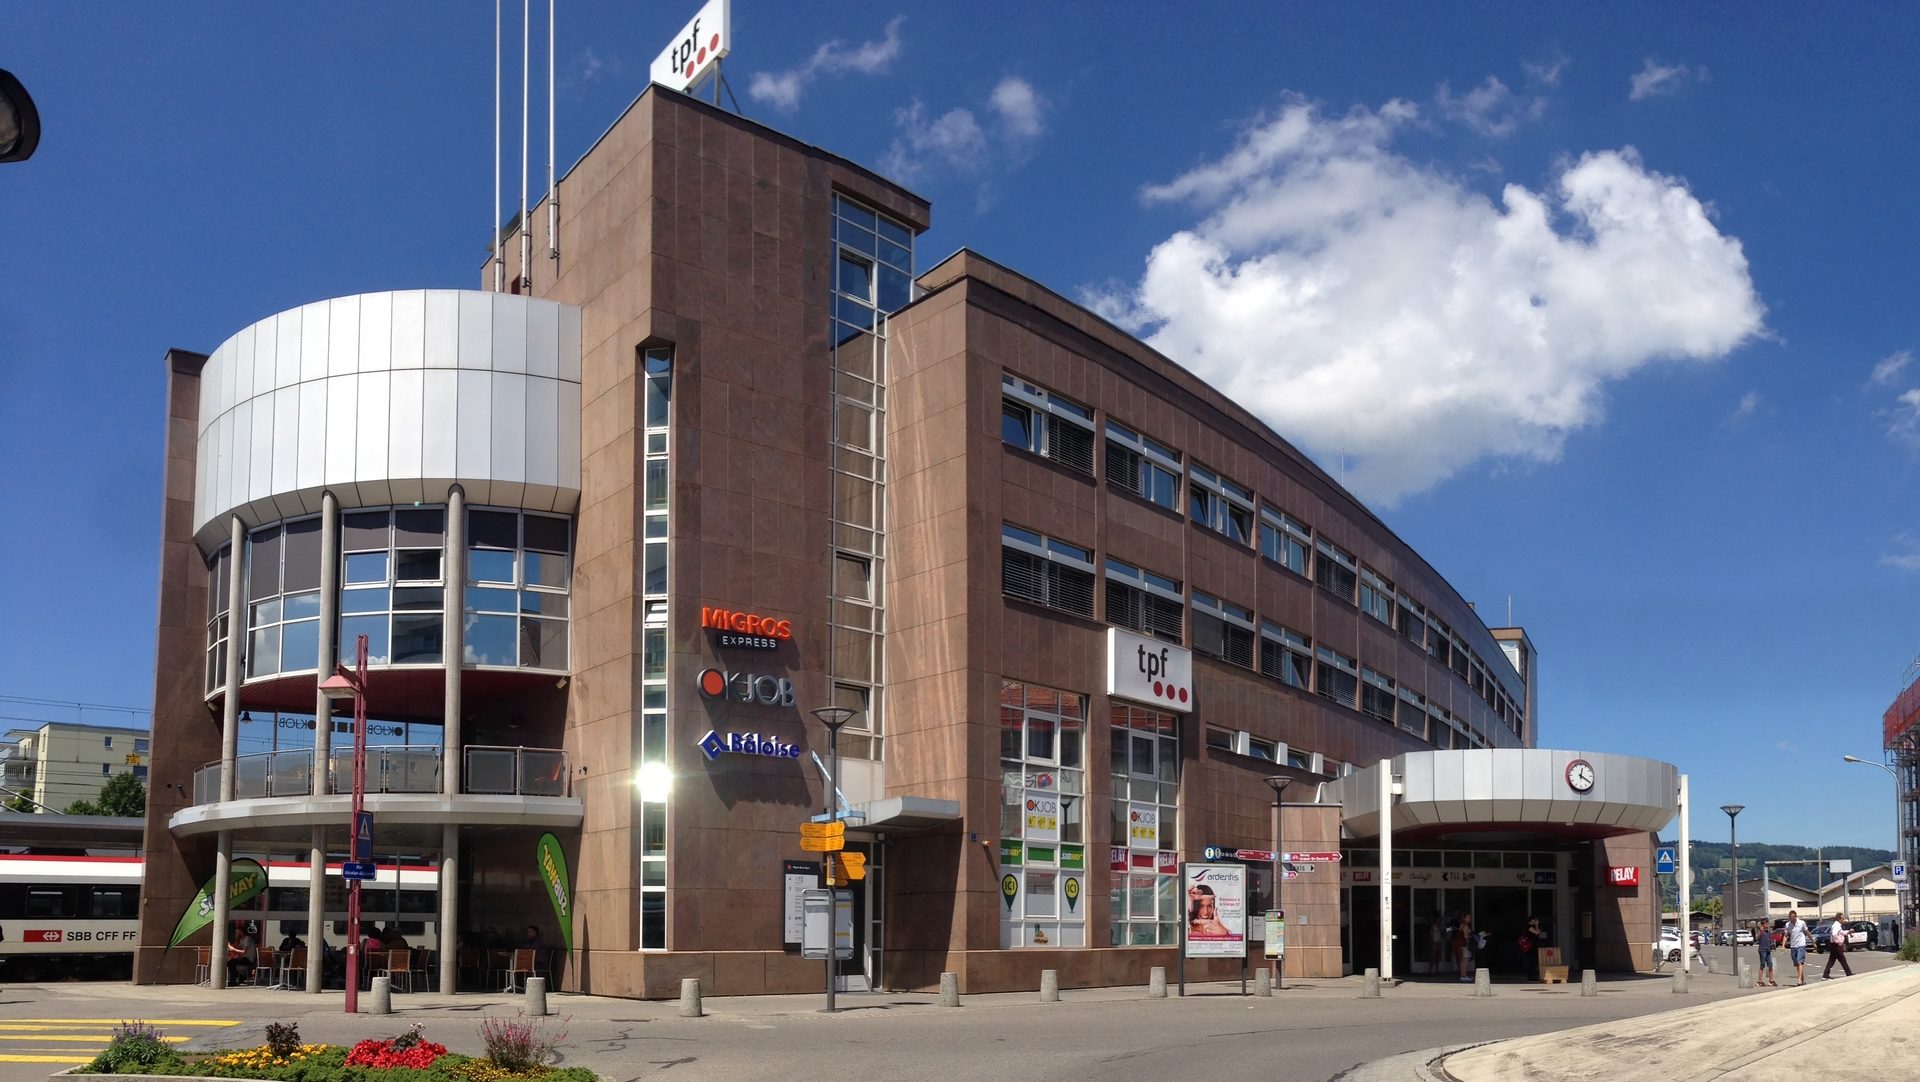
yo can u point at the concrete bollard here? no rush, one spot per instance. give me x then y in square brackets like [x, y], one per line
[690, 998]
[1746, 975]
[1049, 986]
[381, 1001]
[949, 989]
[1679, 982]
[1589, 983]
[1263, 984]
[1157, 982]
[1372, 990]
[1483, 982]
[537, 996]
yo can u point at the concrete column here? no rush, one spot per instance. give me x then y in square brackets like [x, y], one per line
[690, 998]
[237, 641]
[950, 988]
[453, 571]
[316, 907]
[329, 649]
[448, 939]
[1686, 878]
[1157, 982]
[1372, 990]
[1049, 986]
[222, 909]
[1386, 870]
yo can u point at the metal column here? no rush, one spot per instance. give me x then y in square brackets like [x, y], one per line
[1686, 878]
[237, 641]
[316, 907]
[452, 750]
[1386, 870]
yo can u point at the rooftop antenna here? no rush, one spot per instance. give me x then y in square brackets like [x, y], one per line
[553, 193]
[1509, 610]
[493, 227]
[526, 75]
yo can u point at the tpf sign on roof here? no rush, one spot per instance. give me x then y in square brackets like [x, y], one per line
[697, 49]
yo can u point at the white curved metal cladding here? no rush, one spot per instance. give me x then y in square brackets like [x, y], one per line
[389, 398]
[1511, 785]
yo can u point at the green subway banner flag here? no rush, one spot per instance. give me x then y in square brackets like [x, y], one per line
[246, 879]
[553, 872]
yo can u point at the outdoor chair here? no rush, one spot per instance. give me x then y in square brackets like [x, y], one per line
[203, 966]
[293, 968]
[519, 968]
[265, 970]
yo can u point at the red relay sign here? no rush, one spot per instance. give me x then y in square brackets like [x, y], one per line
[1625, 877]
[40, 935]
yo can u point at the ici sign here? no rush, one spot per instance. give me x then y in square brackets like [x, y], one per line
[746, 687]
[1149, 671]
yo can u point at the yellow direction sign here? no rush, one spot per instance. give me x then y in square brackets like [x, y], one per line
[850, 866]
[835, 829]
[822, 845]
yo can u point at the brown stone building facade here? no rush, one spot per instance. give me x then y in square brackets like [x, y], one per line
[726, 461]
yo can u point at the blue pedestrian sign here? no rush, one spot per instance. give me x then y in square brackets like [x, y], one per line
[363, 838]
[1666, 859]
[355, 869]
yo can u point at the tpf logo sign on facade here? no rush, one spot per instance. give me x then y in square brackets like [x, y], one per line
[1149, 671]
[697, 48]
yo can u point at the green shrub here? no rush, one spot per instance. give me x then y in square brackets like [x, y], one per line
[521, 1045]
[136, 1048]
[283, 1038]
[1910, 949]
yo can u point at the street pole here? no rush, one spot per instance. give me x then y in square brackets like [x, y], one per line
[833, 717]
[343, 685]
[1898, 856]
[1733, 921]
[1279, 786]
[1686, 879]
[1386, 872]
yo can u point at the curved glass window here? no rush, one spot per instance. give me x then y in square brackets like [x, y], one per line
[390, 584]
[519, 568]
[283, 599]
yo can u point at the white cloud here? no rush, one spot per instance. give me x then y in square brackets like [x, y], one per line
[1749, 405]
[1490, 108]
[1657, 79]
[783, 89]
[1890, 367]
[958, 142]
[1547, 73]
[1019, 108]
[1905, 556]
[1903, 420]
[1359, 301]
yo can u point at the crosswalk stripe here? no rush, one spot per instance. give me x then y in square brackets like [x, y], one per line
[86, 1038]
[10, 1057]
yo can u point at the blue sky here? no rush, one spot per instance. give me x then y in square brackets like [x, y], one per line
[1606, 309]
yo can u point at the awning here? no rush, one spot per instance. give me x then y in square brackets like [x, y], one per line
[904, 815]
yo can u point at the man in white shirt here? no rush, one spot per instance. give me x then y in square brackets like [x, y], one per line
[1836, 949]
[1797, 937]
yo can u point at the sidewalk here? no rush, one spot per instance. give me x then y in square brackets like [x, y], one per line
[1853, 1027]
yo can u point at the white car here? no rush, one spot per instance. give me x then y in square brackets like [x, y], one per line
[1667, 948]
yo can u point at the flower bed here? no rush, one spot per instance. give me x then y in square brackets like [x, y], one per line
[137, 1049]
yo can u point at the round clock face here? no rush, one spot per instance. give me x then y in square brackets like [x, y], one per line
[1580, 775]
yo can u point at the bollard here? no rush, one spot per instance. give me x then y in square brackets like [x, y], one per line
[1049, 986]
[690, 998]
[949, 989]
[382, 1000]
[1263, 983]
[1679, 982]
[1157, 982]
[1746, 975]
[1589, 983]
[537, 997]
[1483, 982]
[1373, 985]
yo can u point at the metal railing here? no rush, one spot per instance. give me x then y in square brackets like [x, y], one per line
[406, 768]
[516, 771]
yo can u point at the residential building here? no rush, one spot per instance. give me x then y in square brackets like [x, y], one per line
[61, 762]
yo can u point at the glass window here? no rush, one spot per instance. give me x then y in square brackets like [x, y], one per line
[1222, 629]
[1038, 420]
[365, 567]
[1042, 787]
[486, 565]
[856, 277]
[1284, 540]
[1285, 655]
[1336, 677]
[1145, 602]
[1334, 570]
[1046, 571]
[1142, 467]
[1219, 504]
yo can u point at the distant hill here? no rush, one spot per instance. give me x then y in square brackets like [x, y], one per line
[1710, 870]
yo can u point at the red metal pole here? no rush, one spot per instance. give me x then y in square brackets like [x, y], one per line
[353, 822]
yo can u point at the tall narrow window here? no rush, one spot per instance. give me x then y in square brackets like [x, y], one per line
[1043, 816]
[1142, 601]
[1376, 696]
[1219, 505]
[1336, 677]
[652, 778]
[1285, 540]
[1334, 570]
[1144, 770]
[1286, 655]
[1376, 596]
[1223, 630]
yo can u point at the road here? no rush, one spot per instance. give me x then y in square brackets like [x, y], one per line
[1312, 1032]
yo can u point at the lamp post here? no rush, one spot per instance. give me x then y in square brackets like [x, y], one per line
[1279, 785]
[343, 685]
[1733, 921]
[833, 717]
[19, 120]
[1898, 855]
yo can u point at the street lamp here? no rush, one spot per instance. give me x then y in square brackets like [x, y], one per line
[339, 687]
[1898, 852]
[19, 120]
[1279, 785]
[833, 717]
[1733, 921]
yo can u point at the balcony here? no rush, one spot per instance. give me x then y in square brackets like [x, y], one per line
[409, 768]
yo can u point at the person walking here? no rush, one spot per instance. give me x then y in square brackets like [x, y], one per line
[1529, 944]
[1763, 942]
[1836, 950]
[1797, 944]
[1436, 943]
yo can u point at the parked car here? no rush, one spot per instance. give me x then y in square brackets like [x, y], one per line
[1743, 936]
[1668, 947]
[1863, 933]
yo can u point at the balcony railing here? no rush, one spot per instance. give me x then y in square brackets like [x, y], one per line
[407, 768]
